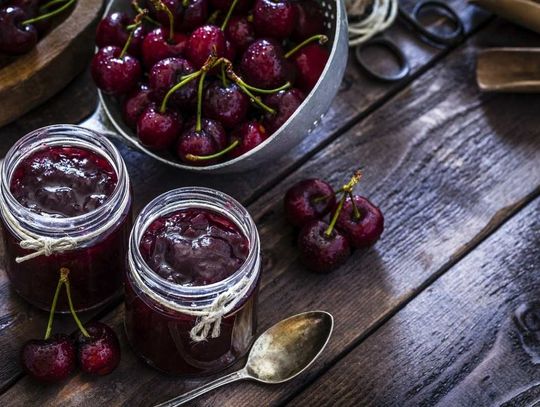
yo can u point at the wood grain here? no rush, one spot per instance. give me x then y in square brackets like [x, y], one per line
[447, 166]
[31, 79]
[471, 339]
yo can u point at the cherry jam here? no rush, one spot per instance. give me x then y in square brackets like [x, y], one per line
[188, 247]
[58, 182]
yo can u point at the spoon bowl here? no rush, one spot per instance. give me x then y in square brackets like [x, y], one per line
[281, 353]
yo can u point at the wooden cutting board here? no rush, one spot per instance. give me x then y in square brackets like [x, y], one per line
[30, 79]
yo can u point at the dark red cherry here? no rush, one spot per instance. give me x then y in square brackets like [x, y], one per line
[209, 140]
[310, 20]
[159, 131]
[16, 38]
[285, 103]
[135, 104]
[366, 230]
[112, 30]
[157, 46]
[205, 41]
[167, 73]
[98, 354]
[230, 52]
[263, 65]
[194, 15]
[308, 200]
[240, 32]
[226, 104]
[242, 6]
[49, 360]
[321, 253]
[309, 61]
[115, 75]
[274, 18]
[30, 7]
[175, 6]
[250, 135]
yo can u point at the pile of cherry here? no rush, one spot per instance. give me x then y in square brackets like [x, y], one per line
[95, 348]
[209, 80]
[354, 222]
[23, 22]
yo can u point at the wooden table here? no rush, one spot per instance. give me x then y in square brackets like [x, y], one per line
[443, 309]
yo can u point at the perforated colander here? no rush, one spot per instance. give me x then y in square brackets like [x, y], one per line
[107, 118]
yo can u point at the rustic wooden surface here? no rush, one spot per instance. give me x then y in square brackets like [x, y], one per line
[456, 173]
[30, 79]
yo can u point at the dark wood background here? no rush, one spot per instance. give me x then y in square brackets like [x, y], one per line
[444, 309]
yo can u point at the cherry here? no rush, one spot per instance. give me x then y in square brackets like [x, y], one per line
[242, 6]
[49, 360]
[274, 18]
[194, 15]
[310, 20]
[308, 200]
[208, 140]
[205, 41]
[322, 249]
[167, 73]
[249, 136]
[362, 222]
[158, 45]
[285, 103]
[114, 71]
[240, 32]
[159, 130]
[31, 8]
[175, 7]
[99, 353]
[135, 104]
[112, 30]
[16, 38]
[263, 65]
[230, 53]
[226, 104]
[310, 62]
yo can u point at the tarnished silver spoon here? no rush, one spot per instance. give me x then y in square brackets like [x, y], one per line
[282, 352]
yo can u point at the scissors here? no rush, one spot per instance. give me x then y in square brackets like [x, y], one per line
[412, 20]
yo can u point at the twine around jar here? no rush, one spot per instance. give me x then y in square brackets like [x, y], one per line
[368, 18]
[46, 246]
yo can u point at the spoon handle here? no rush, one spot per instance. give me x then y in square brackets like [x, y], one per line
[184, 398]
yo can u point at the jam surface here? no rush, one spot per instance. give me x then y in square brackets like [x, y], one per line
[194, 247]
[63, 181]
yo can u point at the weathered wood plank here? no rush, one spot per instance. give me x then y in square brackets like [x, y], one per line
[447, 166]
[470, 339]
[151, 178]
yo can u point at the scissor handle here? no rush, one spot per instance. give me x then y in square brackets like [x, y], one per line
[404, 67]
[445, 11]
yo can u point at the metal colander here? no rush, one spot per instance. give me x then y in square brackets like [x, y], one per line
[107, 118]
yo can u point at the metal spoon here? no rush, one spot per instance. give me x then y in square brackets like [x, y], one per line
[508, 70]
[282, 352]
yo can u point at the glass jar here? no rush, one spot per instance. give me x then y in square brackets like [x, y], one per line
[159, 314]
[96, 240]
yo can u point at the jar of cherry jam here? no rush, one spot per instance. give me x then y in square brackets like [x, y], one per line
[65, 201]
[194, 271]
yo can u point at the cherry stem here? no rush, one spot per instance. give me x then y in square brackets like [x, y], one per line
[213, 17]
[321, 38]
[44, 7]
[53, 306]
[264, 91]
[228, 16]
[185, 3]
[136, 22]
[160, 6]
[356, 213]
[198, 125]
[236, 79]
[49, 15]
[332, 224]
[224, 80]
[138, 9]
[347, 191]
[184, 80]
[64, 276]
[231, 147]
